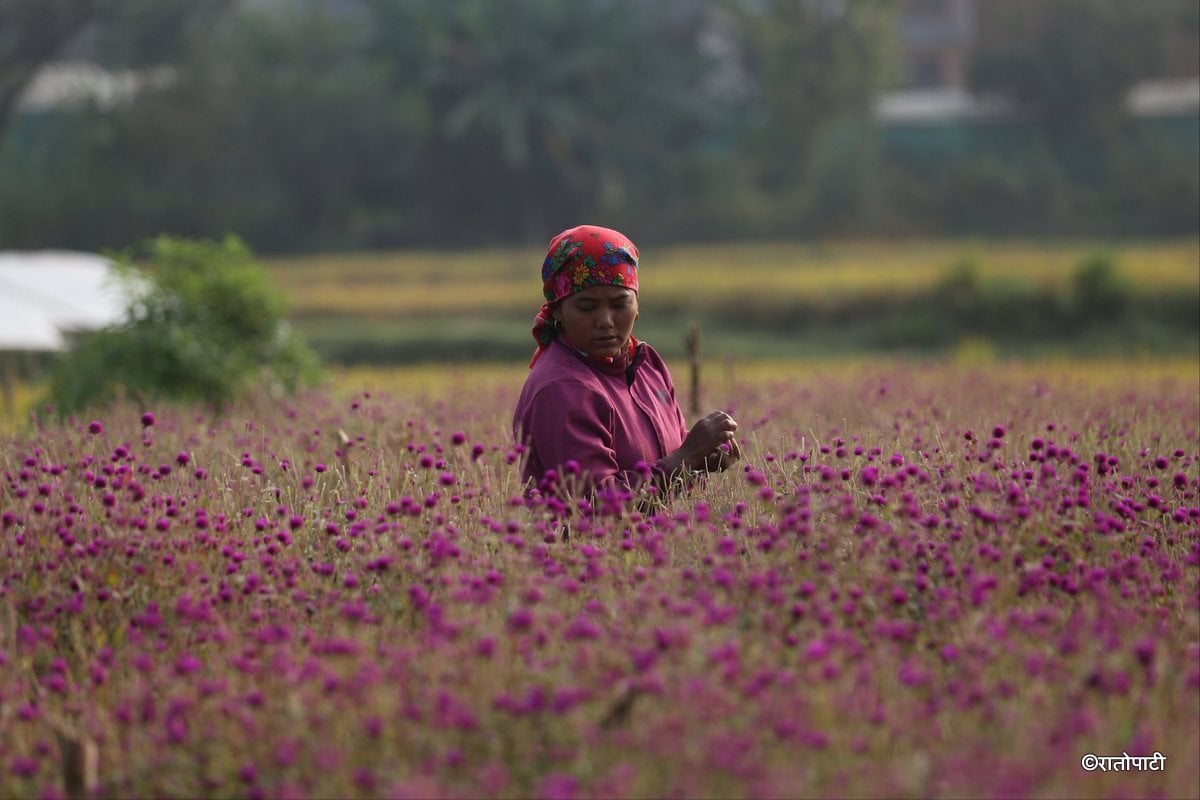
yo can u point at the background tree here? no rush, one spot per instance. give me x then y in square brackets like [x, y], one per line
[341, 124]
[813, 70]
[542, 112]
[61, 178]
[274, 125]
[1070, 65]
[279, 127]
[205, 324]
[31, 33]
[131, 33]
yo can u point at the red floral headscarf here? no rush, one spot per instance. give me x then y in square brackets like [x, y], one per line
[577, 258]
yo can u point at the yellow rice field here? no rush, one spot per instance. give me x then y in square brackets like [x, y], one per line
[428, 283]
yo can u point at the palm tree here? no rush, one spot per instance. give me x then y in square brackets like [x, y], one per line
[560, 104]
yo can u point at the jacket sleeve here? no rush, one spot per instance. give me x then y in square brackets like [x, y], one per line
[682, 420]
[571, 429]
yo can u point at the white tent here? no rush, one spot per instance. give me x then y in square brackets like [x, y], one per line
[45, 295]
[72, 291]
[23, 329]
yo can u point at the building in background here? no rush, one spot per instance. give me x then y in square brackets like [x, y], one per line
[46, 298]
[939, 39]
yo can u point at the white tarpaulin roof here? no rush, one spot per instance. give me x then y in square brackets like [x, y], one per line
[23, 329]
[44, 294]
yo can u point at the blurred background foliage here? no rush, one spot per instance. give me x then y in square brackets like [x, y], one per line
[336, 125]
[205, 324]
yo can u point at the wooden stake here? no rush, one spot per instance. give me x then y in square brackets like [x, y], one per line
[693, 349]
[80, 762]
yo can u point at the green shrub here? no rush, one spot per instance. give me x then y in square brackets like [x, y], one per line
[204, 325]
[1100, 291]
[959, 289]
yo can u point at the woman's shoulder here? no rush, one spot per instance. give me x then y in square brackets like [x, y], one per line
[557, 396]
[648, 352]
[650, 357]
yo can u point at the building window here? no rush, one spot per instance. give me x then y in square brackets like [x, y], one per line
[925, 71]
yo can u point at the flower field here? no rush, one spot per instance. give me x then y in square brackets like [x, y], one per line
[923, 580]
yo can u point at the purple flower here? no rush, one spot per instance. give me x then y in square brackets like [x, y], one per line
[558, 786]
[869, 475]
[23, 766]
[248, 774]
[186, 664]
[1144, 649]
[520, 620]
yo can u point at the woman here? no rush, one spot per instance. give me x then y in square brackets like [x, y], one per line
[598, 409]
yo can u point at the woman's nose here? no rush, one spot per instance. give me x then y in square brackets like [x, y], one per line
[604, 318]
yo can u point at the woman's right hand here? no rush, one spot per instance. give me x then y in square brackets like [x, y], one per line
[709, 445]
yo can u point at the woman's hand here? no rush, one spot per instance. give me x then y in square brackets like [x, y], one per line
[709, 445]
[723, 457]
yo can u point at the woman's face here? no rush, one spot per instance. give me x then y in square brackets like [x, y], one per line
[599, 319]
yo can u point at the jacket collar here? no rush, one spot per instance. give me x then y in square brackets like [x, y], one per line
[626, 363]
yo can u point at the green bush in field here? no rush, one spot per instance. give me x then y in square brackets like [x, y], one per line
[204, 324]
[1100, 291]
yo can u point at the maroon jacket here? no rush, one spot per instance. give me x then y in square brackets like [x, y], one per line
[605, 418]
